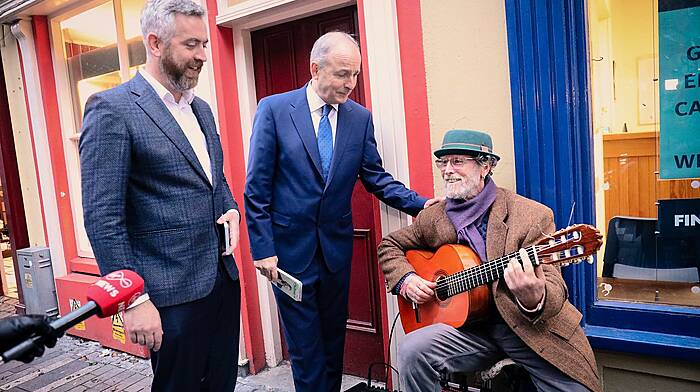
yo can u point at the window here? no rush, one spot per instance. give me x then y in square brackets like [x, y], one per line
[562, 110]
[635, 96]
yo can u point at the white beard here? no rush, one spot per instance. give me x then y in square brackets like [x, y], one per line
[465, 189]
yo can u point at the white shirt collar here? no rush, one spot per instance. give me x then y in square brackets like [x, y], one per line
[315, 102]
[163, 92]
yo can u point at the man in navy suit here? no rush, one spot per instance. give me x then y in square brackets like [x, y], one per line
[155, 198]
[307, 149]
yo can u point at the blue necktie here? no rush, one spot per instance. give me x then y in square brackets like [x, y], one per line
[325, 141]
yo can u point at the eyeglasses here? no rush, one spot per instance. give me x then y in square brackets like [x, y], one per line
[457, 162]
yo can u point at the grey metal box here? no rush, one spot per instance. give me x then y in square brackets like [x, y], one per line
[38, 286]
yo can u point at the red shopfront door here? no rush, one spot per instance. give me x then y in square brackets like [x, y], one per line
[281, 63]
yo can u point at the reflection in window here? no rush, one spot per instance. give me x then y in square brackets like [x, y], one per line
[131, 9]
[92, 49]
[644, 259]
[90, 41]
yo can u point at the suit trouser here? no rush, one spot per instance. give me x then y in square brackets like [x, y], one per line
[430, 351]
[200, 341]
[315, 327]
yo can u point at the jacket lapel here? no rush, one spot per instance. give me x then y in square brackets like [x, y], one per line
[301, 117]
[342, 133]
[497, 230]
[154, 107]
[209, 130]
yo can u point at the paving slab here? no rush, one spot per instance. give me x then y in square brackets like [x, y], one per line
[81, 365]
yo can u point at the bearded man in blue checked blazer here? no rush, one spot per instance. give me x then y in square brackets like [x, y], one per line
[154, 199]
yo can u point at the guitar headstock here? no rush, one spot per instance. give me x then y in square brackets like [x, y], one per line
[569, 246]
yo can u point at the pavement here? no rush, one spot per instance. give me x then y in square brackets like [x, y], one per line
[81, 365]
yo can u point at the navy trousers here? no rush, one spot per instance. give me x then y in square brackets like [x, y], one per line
[315, 327]
[200, 341]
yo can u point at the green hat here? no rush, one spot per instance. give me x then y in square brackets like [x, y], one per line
[466, 142]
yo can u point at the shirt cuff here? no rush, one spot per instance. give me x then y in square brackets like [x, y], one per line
[233, 209]
[538, 308]
[143, 298]
[397, 289]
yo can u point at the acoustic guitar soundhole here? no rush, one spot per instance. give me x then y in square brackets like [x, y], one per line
[442, 289]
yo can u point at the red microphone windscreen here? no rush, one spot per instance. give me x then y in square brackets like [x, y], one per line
[115, 291]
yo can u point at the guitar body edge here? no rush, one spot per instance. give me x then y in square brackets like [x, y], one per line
[455, 310]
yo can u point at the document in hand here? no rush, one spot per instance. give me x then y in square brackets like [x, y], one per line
[288, 284]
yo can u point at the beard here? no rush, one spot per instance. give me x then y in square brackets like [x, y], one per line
[177, 72]
[465, 188]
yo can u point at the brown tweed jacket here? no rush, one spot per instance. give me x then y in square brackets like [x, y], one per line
[514, 222]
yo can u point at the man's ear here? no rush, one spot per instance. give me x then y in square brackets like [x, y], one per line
[154, 44]
[485, 170]
[314, 70]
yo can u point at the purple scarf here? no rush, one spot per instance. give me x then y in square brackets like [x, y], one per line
[466, 216]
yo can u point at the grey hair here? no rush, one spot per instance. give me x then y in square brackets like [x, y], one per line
[486, 159]
[158, 17]
[324, 43]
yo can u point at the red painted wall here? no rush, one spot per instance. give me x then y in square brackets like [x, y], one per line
[42, 42]
[415, 97]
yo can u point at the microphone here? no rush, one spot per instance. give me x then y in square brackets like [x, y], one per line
[108, 296]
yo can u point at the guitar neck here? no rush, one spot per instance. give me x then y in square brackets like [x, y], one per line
[482, 274]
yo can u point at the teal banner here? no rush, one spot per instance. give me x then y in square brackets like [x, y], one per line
[679, 89]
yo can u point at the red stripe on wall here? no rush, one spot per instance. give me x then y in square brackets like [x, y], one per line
[363, 50]
[234, 166]
[42, 42]
[415, 97]
[31, 137]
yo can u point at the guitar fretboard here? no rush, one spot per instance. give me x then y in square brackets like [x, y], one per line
[476, 276]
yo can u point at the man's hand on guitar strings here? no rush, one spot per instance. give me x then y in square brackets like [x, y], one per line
[526, 282]
[417, 289]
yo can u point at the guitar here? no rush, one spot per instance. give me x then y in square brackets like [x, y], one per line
[462, 294]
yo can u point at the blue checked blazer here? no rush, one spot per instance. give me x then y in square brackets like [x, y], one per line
[148, 206]
[291, 212]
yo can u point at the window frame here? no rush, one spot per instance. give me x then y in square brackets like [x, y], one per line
[562, 118]
[69, 127]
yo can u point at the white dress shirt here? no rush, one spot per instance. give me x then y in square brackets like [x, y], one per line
[183, 114]
[316, 105]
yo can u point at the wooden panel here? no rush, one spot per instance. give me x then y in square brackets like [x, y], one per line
[630, 165]
[363, 302]
[364, 343]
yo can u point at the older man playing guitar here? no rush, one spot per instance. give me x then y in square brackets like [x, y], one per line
[525, 316]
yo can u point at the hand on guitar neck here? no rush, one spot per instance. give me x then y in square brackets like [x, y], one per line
[526, 282]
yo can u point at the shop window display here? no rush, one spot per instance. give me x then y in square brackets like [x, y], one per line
[647, 183]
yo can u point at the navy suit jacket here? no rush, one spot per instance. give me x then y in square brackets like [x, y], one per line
[148, 205]
[290, 210]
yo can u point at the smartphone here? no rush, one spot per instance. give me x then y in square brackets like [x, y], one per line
[227, 238]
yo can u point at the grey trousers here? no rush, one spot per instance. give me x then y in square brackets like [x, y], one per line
[428, 352]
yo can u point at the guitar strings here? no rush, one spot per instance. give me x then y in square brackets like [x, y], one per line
[462, 281]
[493, 264]
[487, 267]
